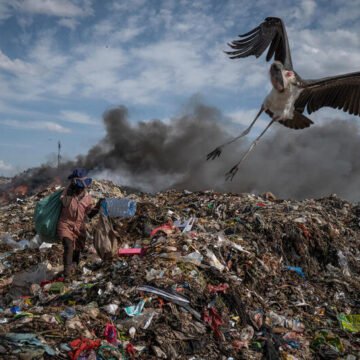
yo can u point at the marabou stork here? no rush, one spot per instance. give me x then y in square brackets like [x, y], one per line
[290, 94]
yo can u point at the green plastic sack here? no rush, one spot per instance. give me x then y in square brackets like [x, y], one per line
[350, 322]
[47, 213]
[329, 338]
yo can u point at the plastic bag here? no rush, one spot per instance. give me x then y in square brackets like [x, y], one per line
[23, 280]
[350, 322]
[343, 263]
[47, 215]
[105, 239]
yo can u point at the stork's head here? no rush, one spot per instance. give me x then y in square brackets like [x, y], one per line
[280, 77]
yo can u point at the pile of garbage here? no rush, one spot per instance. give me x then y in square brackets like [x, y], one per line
[200, 275]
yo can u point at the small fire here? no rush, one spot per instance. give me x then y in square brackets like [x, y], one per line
[4, 198]
[20, 190]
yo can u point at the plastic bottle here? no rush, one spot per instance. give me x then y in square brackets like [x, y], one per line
[194, 257]
[123, 208]
[274, 319]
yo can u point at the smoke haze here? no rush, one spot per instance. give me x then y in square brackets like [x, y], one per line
[155, 156]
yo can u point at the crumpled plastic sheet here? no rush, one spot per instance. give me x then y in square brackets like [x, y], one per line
[25, 340]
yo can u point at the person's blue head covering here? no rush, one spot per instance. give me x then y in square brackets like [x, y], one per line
[79, 177]
[82, 183]
[78, 173]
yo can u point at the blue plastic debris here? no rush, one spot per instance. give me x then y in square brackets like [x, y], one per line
[25, 340]
[297, 269]
[135, 309]
[68, 313]
[15, 309]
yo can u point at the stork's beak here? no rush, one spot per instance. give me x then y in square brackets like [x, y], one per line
[277, 77]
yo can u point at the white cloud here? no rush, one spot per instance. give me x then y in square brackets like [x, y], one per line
[182, 59]
[319, 53]
[36, 125]
[25, 10]
[69, 23]
[120, 60]
[341, 14]
[63, 8]
[126, 6]
[77, 117]
[16, 66]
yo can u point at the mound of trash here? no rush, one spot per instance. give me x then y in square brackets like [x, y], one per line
[200, 275]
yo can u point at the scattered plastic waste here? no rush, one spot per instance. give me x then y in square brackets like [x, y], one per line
[211, 285]
[135, 310]
[221, 288]
[22, 340]
[68, 313]
[273, 319]
[185, 226]
[45, 245]
[195, 258]
[132, 251]
[78, 346]
[163, 294]
[296, 269]
[343, 263]
[111, 308]
[350, 322]
[110, 333]
[214, 260]
[325, 337]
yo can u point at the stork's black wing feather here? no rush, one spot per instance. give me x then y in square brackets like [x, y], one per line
[298, 121]
[338, 92]
[270, 32]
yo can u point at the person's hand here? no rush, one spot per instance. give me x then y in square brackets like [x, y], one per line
[98, 204]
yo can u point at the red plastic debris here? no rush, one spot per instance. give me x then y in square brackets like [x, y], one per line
[81, 344]
[214, 320]
[161, 303]
[132, 251]
[130, 349]
[304, 230]
[221, 288]
[238, 344]
[110, 333]
[166, 228]
[260, 204]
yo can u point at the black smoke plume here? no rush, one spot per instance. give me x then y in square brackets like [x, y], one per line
[156, 155]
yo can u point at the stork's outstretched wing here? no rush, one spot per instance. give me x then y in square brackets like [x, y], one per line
[338, 92]
[271, 31]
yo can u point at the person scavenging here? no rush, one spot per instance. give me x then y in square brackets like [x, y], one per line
[77, 206]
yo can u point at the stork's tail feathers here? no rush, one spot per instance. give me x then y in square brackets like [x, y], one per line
[299, 121]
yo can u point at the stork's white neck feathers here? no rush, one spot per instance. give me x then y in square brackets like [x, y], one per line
[281, 104]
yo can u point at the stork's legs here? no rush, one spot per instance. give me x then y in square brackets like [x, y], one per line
[215, 153]
[234, 169]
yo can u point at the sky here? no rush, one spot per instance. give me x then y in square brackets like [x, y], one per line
[64, 63]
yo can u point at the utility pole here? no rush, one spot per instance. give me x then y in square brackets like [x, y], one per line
[59, 153]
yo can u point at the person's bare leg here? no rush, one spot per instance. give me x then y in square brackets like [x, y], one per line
[68, 255]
